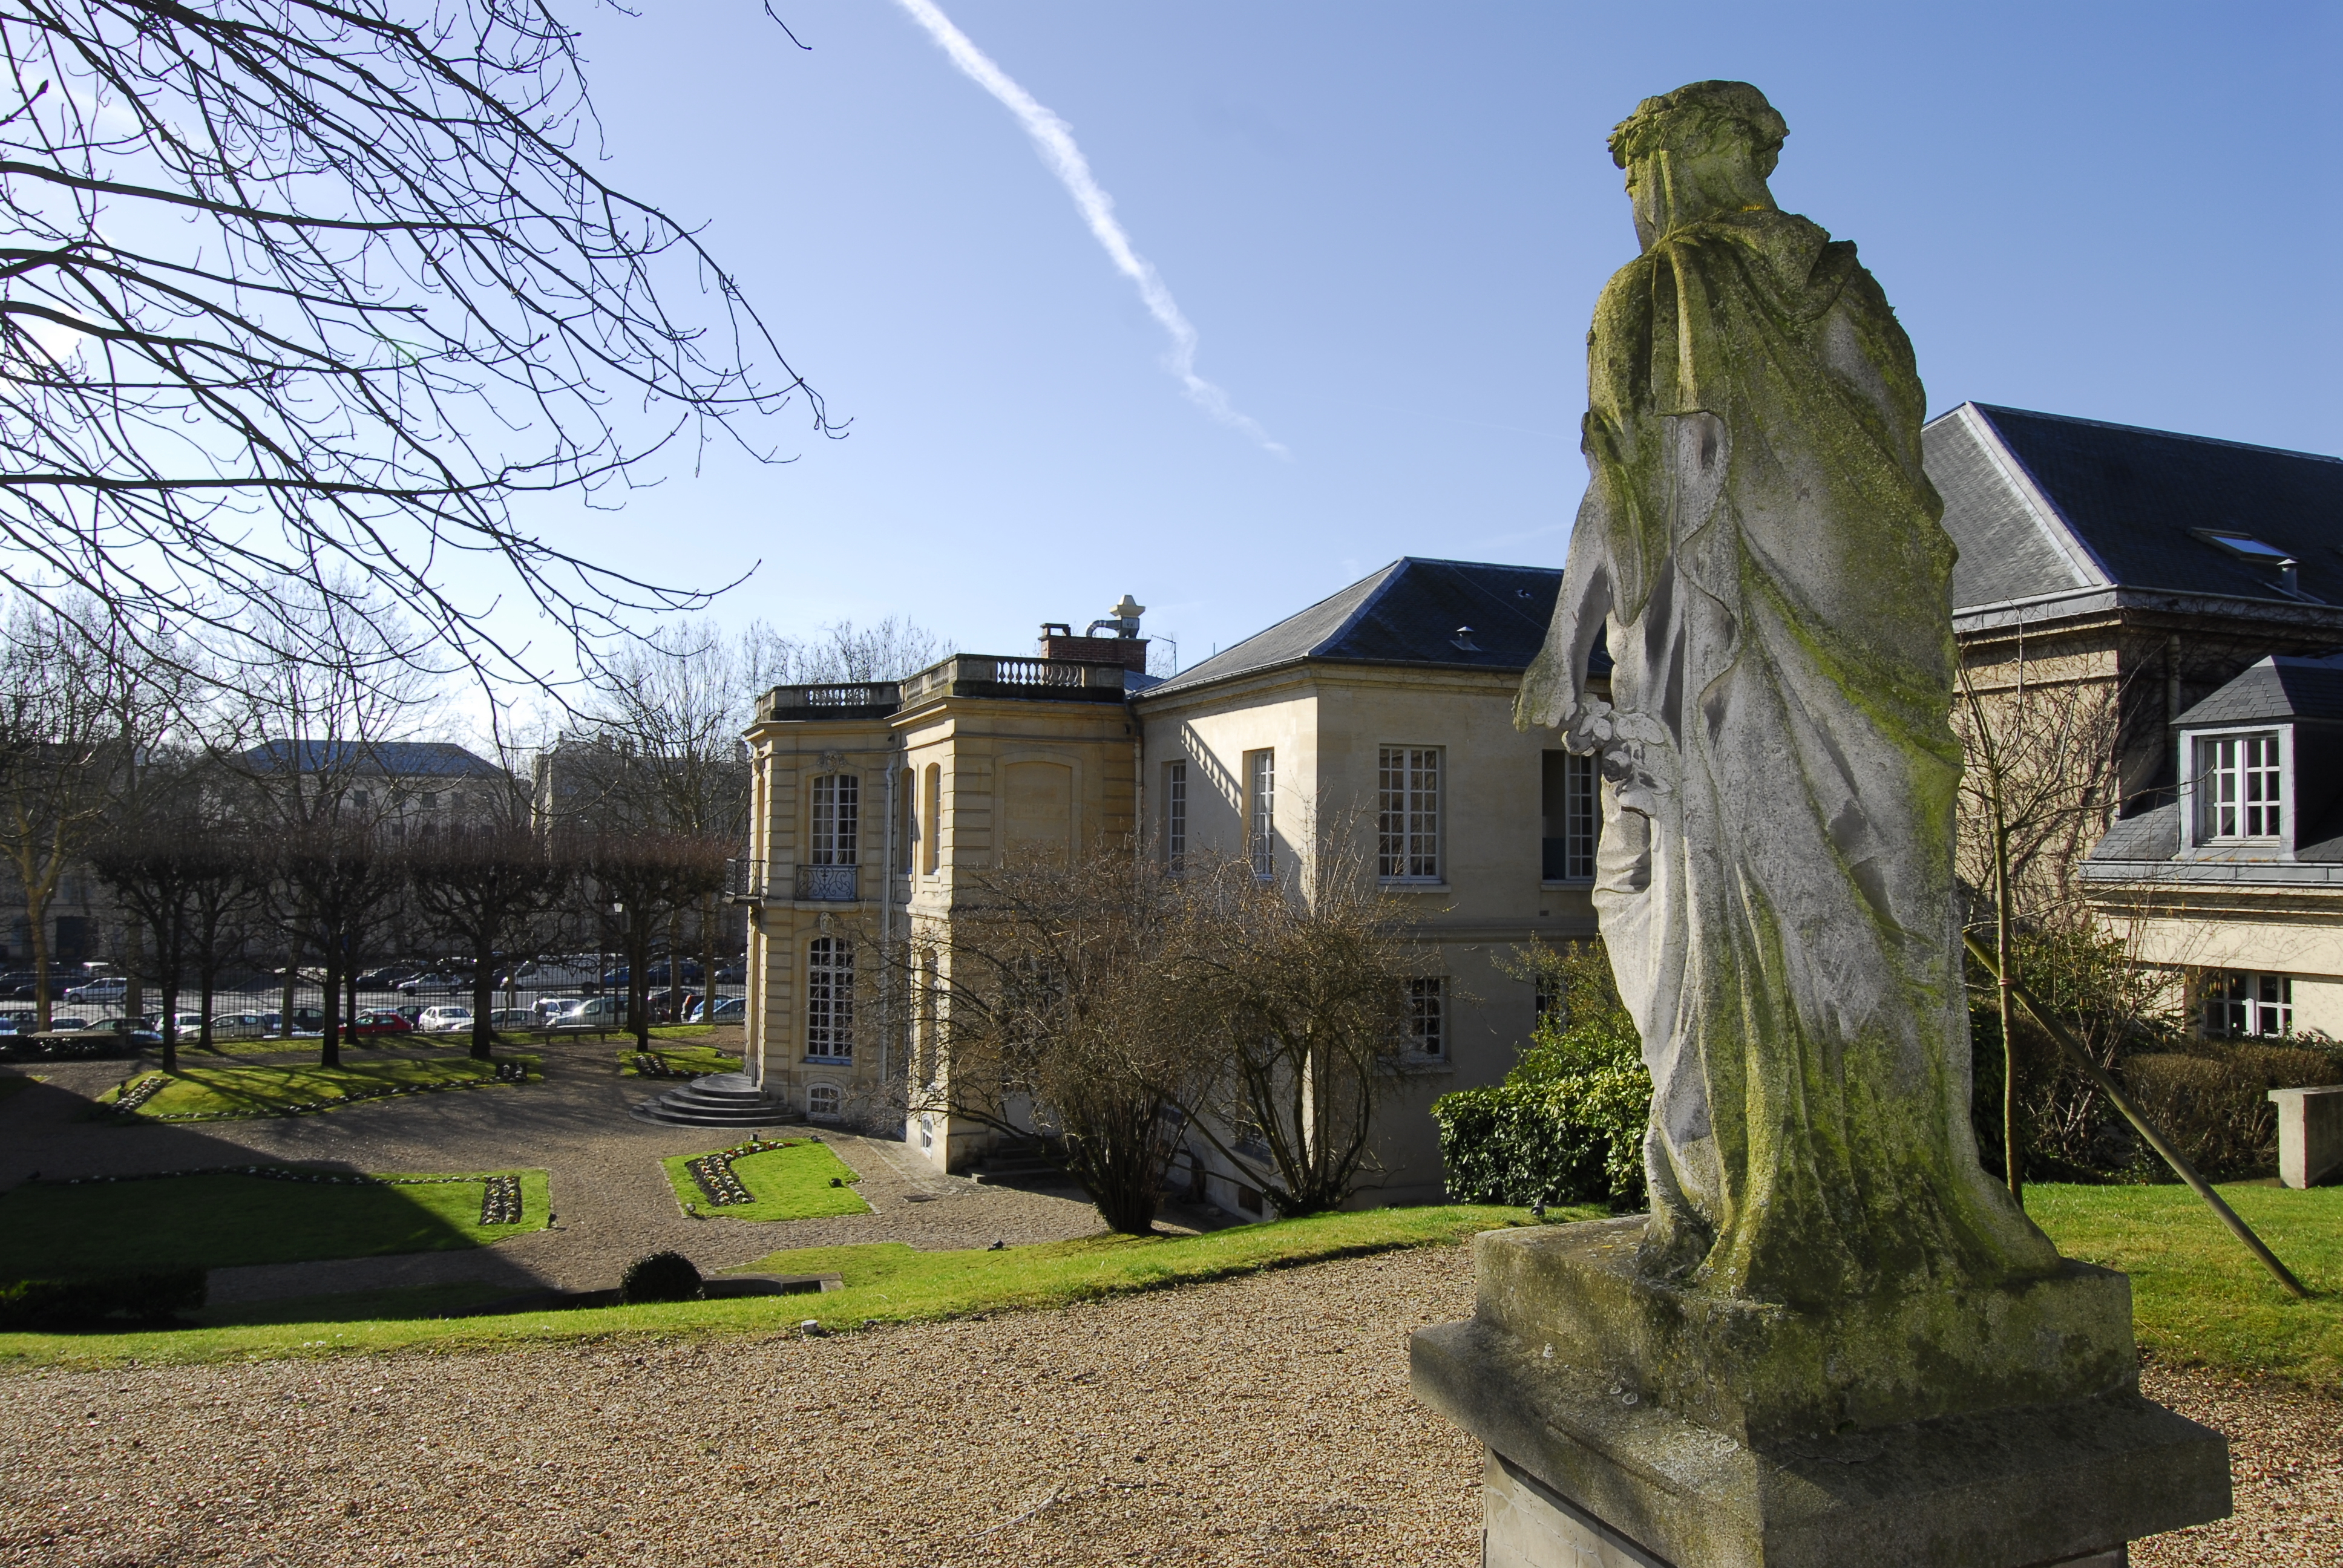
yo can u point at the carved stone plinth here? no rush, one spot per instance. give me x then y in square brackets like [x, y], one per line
[2003, 1431]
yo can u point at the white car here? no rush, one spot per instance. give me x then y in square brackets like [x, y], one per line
[594, 1013]
[444, 1020]
[110, 988]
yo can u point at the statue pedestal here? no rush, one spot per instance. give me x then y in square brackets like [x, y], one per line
[1629, 1425]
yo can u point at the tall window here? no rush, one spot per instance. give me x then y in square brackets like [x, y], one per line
[931, 809]
[907, 822]
[837, 805]
[1175, 813]
[2237, 1003]
[2240, 790]
[1571, 807]
[1427, 1015]
[1261, 812]
[1408, 822]
[829, 999]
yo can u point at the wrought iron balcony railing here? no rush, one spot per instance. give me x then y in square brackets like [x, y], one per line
[828, 884]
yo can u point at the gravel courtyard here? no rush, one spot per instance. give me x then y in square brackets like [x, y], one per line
[1256, 1421]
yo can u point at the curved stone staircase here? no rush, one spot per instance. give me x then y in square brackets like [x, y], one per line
[718, 1099]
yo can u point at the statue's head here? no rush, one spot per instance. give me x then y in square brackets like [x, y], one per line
[1699, 150]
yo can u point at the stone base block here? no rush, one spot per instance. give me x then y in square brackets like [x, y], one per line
[1645, 1487]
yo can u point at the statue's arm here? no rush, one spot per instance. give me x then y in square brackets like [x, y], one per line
[1554, 691]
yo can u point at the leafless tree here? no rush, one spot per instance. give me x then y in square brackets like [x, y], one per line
[1304, 990]
[490, 889]
[1054, 1011]
[311, 292]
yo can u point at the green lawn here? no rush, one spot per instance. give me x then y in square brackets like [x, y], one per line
[231, 1093]
[888, 1282]
[54, 1229]
[788, 1182]
[2197, 1296]
[694, 1059]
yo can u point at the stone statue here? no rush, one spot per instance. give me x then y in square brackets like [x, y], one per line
[1834, 1343]
[1774, 882]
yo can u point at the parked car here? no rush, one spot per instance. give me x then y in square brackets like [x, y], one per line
[60, 1025]
[730, 1009]
[244, 1025]
[111, 988]
[516, 1018]
[548, 1008]
[386, 977]
[731, 974]
[593, 1012]
[132, 1031]
[444, 1020]
[381, 1021]
[439, 981]
[19, 1023]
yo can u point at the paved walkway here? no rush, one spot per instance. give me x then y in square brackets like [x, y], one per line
[611, 1201]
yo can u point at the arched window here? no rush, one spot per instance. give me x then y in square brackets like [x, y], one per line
[829, 999]
[824, 1102]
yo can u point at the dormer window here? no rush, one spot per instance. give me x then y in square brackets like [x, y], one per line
[2240, 788]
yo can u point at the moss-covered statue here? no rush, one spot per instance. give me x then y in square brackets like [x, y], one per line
[1775, 881]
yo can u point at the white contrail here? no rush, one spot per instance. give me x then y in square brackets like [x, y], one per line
[1055, 140]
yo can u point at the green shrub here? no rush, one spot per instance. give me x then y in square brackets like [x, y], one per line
[1566, 1126]
[660, 1277]
[2212, 1100]
[68, 1306]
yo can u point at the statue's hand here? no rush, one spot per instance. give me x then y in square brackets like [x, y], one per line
[1589, 728]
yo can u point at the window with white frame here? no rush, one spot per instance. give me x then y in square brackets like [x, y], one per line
[1407, 819]
[1261, 812]
[1427, 1015]
[824, 1102]
[829, 999]
[1175, 813]
[837, 806]
[2240, 788]
[1570, 809]
[2237, 1002]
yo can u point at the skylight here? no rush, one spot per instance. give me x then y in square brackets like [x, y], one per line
[2245, 546]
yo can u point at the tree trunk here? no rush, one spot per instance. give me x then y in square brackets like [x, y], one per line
[329, 1048]
[42, 1012]
[2012, 1154]
[292, 983]
[484, 996]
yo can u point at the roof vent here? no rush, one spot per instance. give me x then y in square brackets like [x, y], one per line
[1464, 639]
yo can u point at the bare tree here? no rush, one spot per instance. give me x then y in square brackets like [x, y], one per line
[490, 888]
[1052, 1012]
[312, 290]
[1305, 992]
[67, 745]
[2040, 782]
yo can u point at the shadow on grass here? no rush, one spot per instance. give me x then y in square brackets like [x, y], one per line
[396, 1303]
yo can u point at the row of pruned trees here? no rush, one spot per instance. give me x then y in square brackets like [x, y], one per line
[1126, 1009]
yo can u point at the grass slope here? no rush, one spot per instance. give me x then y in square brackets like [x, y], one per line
[886, 1281]
[49, 1230]
[2198, 1298]
[788, 1182]
[231, 1093]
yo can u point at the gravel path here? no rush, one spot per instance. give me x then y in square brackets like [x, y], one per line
[1257, 1421]
[611, 1199]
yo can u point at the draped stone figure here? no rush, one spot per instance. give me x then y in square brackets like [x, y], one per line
[1774, 882]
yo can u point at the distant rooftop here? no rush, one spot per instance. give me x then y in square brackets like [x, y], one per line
[394, 758]
[1454, 615]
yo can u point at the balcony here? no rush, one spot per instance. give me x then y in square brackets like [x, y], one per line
[828, 884]
[846, 699]
[744, 882]
[1016, 680]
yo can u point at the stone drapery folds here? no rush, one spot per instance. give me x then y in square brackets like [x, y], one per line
[1775, 880]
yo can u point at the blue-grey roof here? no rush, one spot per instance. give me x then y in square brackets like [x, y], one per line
[395, 758]
[1412, 612]
[2044, 503]
[2280, 686]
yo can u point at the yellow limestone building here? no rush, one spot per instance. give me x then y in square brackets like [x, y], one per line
[1383, 713]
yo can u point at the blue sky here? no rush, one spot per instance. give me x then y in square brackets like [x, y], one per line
[1388, 226]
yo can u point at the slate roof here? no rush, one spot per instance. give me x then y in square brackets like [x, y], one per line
[1408, 613]
[2043, 504]
[394, 758]
[2280, 686]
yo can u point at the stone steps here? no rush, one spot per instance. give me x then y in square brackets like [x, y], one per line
[718, 1099]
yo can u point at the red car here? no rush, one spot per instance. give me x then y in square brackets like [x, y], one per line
[383, 1022]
